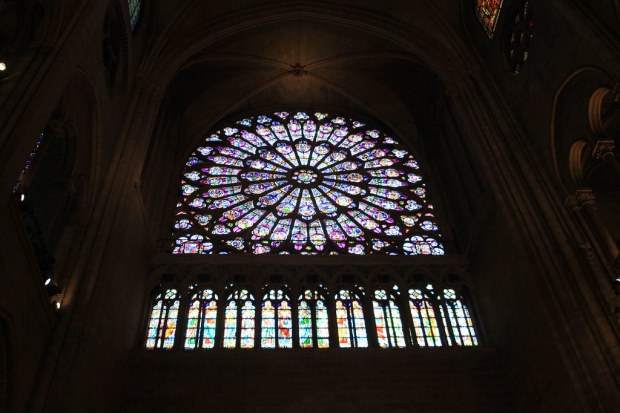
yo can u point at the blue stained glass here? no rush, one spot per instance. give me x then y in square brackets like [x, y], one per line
[303, 184]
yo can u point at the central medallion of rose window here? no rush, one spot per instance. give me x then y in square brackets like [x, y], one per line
[305, 176]
[307, 183]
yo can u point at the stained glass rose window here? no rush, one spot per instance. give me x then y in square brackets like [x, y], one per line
[299, 183]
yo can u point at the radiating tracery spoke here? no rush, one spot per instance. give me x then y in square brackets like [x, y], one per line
[300, 183]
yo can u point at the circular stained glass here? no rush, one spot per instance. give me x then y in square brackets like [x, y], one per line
[300, 183]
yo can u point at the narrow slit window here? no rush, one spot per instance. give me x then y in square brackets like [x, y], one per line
[134, 8]
[276, 320]
[201, 320]
[488, 14]
[313, 320]
[457, 320]
[387, 320]
[425, 331]
[163, 320]
[350, 320]
[239, 320]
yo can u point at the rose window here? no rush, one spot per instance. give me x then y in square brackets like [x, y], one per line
[301, 183]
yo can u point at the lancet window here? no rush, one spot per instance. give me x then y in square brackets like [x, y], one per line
[388, 320]
[162, 323]
[488, 13]
[276, 320]
[424, 318]
[201, 319]
[350, 320]
[313, 320]
[239, 325]
[457, 320]
[134, 8]
[425, 331]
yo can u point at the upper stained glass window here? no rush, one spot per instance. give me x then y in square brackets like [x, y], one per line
[350, 320]
[313, 320]
[425, 330]
[134, 6]
[301, 183]
[201, 320]
[163, 320]
[488, 14]
[457, 320]
[387, 320]
[239, 320]
[276, 320]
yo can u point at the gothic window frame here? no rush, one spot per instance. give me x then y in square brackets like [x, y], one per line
[488, 13]
[207, 300]
[134, 12]
[243, 299]
[457, 317]
[169, 297]
[350, 318]
[387, 315]
[276, 300]
[426, 327]
[319, 336]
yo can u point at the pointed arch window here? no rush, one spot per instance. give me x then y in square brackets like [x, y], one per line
[303, 183]
[350, 320]
[239, 324]
[387, 320]
[425, 330]
[457, 320]
[163, 320]
[488, 14]
[201, 319]
[313, 320]
[134, 8]
[276, 320]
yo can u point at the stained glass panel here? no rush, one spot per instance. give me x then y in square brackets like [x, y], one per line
[488, 14]
[425, 329]
[303, 183]
[313, 320]
[276, 321]
[134, 8]
[163, 320]
[201, 320]
[239, 315]
[457, 320]
[350, 321]
[387, 320]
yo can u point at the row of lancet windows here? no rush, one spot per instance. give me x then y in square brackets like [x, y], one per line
[419, 318]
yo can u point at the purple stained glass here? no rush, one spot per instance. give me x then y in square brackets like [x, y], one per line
[297, 182]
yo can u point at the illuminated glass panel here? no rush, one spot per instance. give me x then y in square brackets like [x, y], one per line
[313, 320]
[307, 184]
[457, 320]
[201, 320]
[350, 321]
[387, 320]
[276, 321]
[32, 156]
[488, 14]
[163, 320]
[425, 329]
[134, 8]
[239, 320]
